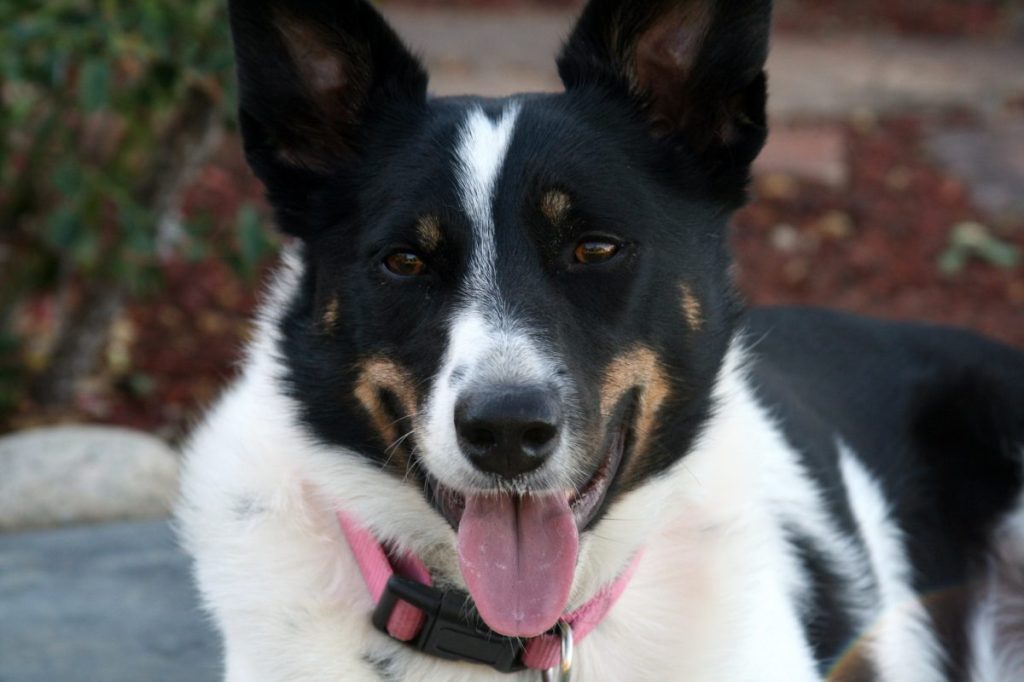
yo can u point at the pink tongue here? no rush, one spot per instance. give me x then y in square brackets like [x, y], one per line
[518, 555]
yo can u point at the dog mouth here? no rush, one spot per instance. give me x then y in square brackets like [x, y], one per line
[584, 502]
[518, 550]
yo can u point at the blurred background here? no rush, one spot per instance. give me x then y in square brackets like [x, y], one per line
[133, 238]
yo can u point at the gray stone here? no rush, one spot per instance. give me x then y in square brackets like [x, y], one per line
[991, 161]
[73, 474]
[112, 603]
[861, 73]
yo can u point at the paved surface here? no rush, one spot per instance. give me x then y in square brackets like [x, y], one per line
[991, 161]
[498, 53]
[814, 83]
[101, 604]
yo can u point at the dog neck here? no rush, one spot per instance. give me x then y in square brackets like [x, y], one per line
[410, 610]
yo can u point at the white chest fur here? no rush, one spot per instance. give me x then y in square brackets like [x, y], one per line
[257, 513]
[717, 595]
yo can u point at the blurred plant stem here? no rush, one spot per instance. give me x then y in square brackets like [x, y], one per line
[108, 108]
[186, 142]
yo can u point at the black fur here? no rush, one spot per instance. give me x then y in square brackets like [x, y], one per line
[595, 141]
[936, 414]
[654, 150]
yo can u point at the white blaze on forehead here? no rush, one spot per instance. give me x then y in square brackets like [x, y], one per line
[487, 346]
[481, 154]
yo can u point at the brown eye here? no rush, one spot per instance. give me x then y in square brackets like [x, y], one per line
[590, 252]
[405, 264]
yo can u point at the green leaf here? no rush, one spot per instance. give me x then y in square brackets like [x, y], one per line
[141, 385]
[94, 86]
[63, 228]
[952, 261]
[138, 229]
[973, 240]
[67, 178]
[252, 238]
[1000, 254]
[195, 251]
[86, 249]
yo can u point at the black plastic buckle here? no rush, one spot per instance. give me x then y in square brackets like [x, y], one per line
[452, 628]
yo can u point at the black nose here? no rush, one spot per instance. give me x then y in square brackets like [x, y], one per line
[508, 430]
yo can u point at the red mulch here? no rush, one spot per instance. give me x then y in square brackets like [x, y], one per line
[187, 342]
[938, 18]
[871, 248]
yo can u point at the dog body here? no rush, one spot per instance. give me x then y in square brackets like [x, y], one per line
[508, 345]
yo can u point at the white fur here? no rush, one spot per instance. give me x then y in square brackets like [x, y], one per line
[487, 345]
[481, 156]
[257, 513]
[717, 596]
[997, 650]
[902, 624]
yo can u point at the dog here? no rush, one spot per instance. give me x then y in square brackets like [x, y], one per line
[505, 416]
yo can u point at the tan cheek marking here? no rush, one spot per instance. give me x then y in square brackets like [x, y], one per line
[555, 206]
[692, 310]
[381, 374]
[329, 320]
[429, 230]
[638, 368]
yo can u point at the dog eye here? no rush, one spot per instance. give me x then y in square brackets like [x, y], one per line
[405, 264]
[591, 251]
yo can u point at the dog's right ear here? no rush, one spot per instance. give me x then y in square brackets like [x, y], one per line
[310, 74]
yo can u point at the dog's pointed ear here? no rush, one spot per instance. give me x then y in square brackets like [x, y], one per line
[696, 66]
[310, 74]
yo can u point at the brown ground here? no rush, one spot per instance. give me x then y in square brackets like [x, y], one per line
[874, 247]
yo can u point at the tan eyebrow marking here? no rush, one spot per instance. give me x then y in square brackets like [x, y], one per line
[555, 205]
[428, 228]
[693, 312]
[329, 320]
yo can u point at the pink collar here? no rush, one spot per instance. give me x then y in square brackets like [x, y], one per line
[405, 622]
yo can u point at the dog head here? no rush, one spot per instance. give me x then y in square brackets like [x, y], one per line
[517, 306]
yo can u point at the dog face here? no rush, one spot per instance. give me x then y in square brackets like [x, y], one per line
[519, 305]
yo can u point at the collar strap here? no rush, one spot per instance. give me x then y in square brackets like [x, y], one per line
[445, 623]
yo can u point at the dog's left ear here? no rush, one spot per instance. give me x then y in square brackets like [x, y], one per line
[695, 66]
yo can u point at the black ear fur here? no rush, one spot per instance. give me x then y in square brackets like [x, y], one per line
[310, 75]
[696, 67]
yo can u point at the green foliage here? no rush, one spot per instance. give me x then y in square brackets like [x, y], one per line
[106, 106]
[94, 97]
[252, 240]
